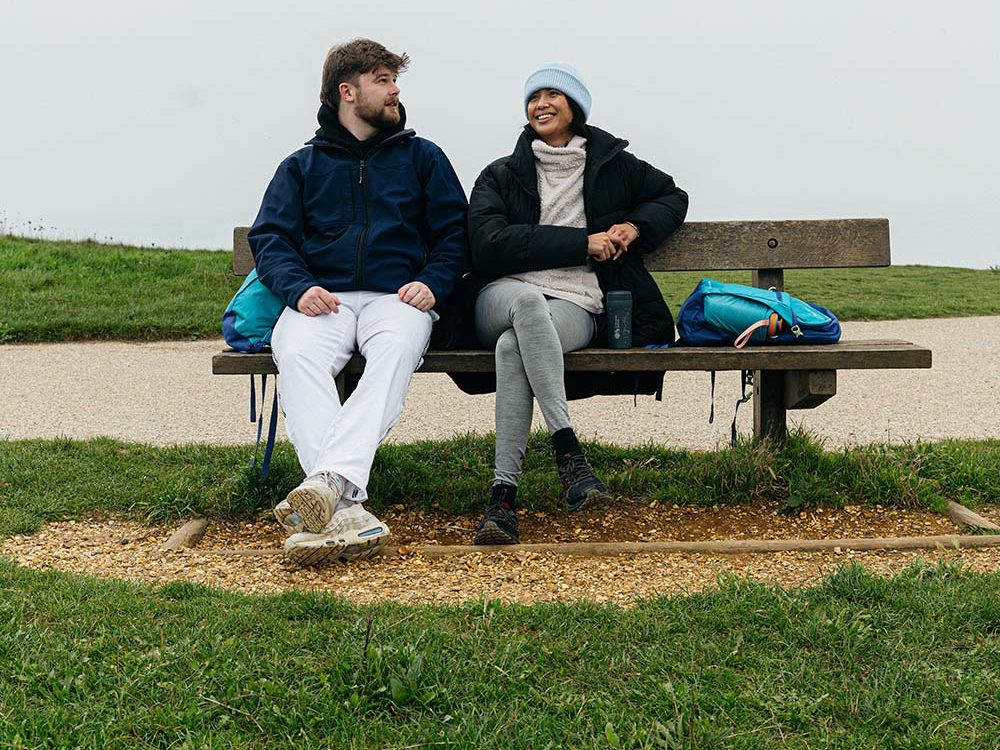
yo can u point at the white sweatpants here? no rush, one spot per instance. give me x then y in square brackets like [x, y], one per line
[391, 335]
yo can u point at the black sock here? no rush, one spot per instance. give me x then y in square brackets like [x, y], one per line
[564, 441]
[505, 494]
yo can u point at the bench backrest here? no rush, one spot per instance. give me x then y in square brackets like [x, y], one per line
[738, 245]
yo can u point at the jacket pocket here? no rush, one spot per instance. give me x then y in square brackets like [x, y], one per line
[330, 196]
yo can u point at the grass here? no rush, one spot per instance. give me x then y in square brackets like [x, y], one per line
[62, 291]
[45, 480]
[856, 662]
[871, 293]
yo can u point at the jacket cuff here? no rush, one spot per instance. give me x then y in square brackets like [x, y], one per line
[296, 292]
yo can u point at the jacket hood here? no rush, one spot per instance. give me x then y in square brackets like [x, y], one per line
[331, 132]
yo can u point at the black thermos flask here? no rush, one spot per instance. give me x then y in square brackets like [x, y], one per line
[619, 320]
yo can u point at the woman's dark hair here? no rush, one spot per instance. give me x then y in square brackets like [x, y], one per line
[579, 124]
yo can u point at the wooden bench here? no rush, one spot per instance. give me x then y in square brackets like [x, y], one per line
[784, 377]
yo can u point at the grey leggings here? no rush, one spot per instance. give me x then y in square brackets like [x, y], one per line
[530, 333]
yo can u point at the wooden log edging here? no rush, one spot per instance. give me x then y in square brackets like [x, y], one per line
[723, 547]
[187, 535]
[962, 516]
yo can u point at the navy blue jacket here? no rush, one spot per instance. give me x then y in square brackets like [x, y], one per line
[335, 219]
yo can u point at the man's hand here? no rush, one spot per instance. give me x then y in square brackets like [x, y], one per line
[622, 235]
[317, 301]
[602, 245]
[417, 294]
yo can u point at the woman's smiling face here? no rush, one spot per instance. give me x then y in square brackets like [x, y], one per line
[550, 116]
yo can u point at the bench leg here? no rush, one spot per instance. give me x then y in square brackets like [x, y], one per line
[769, 405]
[769, 385]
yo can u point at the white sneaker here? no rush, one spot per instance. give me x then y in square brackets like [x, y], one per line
[352, 534]
[316, 498]
[290, 521]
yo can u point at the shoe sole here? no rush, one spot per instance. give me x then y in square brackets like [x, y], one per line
[594, 498]
[311, 555]
[490, 533]
[312, 506]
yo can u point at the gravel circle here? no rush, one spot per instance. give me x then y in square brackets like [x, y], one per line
[128, 550]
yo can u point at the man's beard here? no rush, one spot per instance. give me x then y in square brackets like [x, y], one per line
[377, 115]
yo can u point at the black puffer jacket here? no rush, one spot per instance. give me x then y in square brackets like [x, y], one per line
[506, 237]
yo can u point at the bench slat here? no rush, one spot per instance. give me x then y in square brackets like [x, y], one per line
[846, 355]
[737, 245]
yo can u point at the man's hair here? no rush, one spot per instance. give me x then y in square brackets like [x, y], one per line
[347, 62]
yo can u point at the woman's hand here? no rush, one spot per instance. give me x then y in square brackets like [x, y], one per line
[602, 245]
[623, 235]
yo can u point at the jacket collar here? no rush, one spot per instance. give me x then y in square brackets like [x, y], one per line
[601, 148]
[331, 134]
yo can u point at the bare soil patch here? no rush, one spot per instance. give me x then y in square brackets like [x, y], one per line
[128, 550]
[627, 522]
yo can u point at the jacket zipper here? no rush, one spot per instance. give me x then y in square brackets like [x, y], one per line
[359, 255]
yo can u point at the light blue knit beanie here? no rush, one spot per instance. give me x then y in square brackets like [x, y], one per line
[562, 77]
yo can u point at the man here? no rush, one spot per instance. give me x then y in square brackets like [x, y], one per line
[359, 233]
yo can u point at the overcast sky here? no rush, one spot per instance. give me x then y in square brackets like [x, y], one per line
[161, 123]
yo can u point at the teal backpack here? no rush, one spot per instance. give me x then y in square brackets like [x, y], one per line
[247, 325]
[250, 316]
[718, 314]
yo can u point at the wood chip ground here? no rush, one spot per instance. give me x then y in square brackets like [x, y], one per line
[115, 548]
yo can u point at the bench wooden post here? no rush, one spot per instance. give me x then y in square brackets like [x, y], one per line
[769, 385]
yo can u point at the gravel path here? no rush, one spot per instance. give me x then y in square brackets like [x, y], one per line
[164, 393]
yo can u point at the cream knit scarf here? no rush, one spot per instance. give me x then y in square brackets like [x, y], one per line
[560, 189]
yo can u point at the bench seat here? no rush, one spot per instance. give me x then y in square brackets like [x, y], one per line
[845, 355]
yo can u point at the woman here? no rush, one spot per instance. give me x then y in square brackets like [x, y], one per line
[554, 227]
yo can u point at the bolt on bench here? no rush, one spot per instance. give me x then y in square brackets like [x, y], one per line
[784, 377]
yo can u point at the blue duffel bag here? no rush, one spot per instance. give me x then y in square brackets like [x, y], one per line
[718, 314]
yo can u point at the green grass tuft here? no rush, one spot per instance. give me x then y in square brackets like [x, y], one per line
[45, 480]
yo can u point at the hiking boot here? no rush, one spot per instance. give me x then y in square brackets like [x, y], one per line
[581, 489]
[290, 521]
[316, 498]
[499, 526]
[352, 534]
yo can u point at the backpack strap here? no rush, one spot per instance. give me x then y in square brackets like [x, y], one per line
[711, 411]
[795, 329]
[746, 378]
[272, 427]
[744, 338]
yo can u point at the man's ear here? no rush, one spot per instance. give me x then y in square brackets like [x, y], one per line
[346, 91]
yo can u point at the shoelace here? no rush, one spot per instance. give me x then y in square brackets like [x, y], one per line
[574, 469]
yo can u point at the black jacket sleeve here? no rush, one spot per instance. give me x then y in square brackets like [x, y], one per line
[500, 247]
[661, 205]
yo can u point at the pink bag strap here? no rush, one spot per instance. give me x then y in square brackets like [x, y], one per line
[744, 337]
